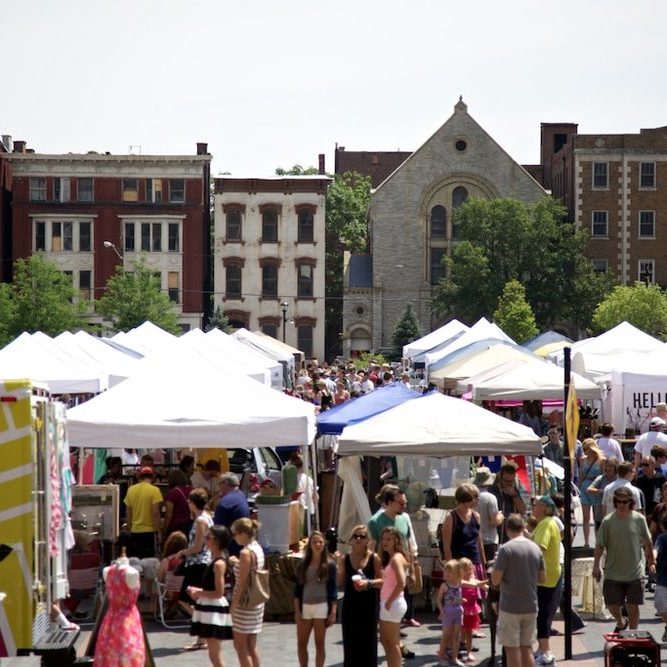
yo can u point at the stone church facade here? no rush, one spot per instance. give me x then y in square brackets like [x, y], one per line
[411, 227]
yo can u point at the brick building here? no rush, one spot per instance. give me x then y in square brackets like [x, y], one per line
[269, 247]
[615, 186]
[411, 226]
[5, 208]
[89, 212]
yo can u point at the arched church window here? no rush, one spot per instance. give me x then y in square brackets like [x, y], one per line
[459, 196]
[438, 222]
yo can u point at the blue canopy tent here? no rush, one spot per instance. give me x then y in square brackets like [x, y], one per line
[332, 422]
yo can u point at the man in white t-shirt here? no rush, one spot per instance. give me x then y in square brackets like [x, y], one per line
[610, 446]
[625, 475]
[654, 436]
[366, 384]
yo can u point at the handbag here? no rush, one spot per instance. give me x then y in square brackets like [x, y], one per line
[415, 579]
[257, 590]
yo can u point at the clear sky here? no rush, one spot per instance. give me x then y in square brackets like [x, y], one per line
[270, 83]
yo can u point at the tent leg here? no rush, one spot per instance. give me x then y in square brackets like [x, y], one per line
[313, 445]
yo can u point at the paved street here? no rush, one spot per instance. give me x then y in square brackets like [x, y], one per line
[278, 640]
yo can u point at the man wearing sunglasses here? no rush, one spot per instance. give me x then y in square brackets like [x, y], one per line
[622, 535]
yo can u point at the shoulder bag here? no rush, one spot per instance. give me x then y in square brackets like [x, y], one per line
[257, 590]
[415, 579]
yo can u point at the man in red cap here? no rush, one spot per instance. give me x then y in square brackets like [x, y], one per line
[143, 501]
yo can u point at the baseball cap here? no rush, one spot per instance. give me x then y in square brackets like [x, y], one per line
[146, 470]
[656, 421]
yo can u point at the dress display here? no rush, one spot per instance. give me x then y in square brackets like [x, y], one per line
[211, 617]
[120, 642]
[360, 619]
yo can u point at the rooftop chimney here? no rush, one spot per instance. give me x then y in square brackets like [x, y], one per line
[321, 169]
[202, 148]
[7, 142]
[19, 147]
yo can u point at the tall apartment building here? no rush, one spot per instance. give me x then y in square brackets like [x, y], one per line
[269, 248]
[615, 186]
[89, 212]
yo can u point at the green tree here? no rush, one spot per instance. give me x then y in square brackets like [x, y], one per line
[42, 298]
[367, 359]
[132, 298]
[347, 201]
[218, 321]
[6, 314]
[406, 331]
[514, 314]
[505, 239]
[644, 306]
[297, 170]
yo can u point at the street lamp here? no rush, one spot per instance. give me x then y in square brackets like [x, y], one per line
[284, 306]
[109, 244]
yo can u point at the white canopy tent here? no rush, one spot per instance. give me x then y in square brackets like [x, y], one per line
[437, 425]
[200, 342]
[229, 345]
[260, 344]
[145, 338]
[94, 353]
[481, 330]
[597, 357]
[37, 358]
[637, 385]
[466, 384]
[182, 400]
[533, 381]
[493, 355]
[434, 339]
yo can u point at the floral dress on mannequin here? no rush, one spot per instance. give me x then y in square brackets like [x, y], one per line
[120, 642]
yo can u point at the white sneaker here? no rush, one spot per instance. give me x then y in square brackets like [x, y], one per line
[544, 658]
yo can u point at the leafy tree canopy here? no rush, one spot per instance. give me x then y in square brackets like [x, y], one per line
[644, 306]
[406, 331]
[514, 314]
[42, 299]
[132, 298]
[364, 361]
[6, 314]
[297, 170]
[505, 239]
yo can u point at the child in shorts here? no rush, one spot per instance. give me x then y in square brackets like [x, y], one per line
[450, 605]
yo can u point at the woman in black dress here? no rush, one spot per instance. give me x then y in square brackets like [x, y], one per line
[360, 575]
[210, 618]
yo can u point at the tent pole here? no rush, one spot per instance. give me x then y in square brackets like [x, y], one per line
[567, 519]
[315, 487]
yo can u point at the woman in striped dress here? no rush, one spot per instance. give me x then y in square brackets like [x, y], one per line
[246, 623]
[210, 618]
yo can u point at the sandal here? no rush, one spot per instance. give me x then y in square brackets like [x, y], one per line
[618, 628]
[195, 646]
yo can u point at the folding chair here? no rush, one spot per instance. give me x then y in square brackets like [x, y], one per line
[166, 594]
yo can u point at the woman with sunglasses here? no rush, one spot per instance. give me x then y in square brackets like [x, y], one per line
[210, 618]
[360, 576]
[315, 598]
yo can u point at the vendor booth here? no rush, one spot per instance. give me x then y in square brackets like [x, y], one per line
[436, 339]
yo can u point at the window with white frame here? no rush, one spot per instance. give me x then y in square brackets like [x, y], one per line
[600, 175]
[177, 190]
[233, 281]
[84, 189]
[304, 280]
[37, 188]
[600, 265]
[145, 236]
[599, 224]
[154, 190]
[646, 224]
[647, 175]
[61, 189]
[62, 236]
[173, 280]
[646, 270]
[233, 225]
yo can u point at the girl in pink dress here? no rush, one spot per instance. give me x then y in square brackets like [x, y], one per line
[120, 642]
[471, 608]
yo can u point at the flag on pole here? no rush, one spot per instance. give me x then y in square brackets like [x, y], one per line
[572, 419]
